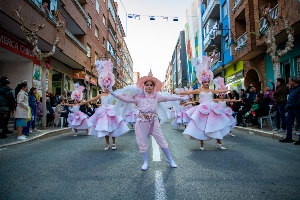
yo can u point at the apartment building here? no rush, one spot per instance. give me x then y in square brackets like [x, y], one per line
[128, 66]
[92, 30]
[167, 83]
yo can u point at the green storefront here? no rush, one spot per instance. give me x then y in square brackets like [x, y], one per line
[235, 76]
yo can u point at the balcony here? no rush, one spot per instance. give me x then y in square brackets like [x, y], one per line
[236, 5]
[263, 22]
[214, 60]
[76, 41]
[212, 10]
[37, 4]
[82, 10]
[241, 43]
[213, 34]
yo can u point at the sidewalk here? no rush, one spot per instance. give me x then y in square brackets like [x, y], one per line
[50, 131]
[266, 132]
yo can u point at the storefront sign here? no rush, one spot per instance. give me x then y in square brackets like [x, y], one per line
[77, 74]
[13, 44]
[235, 77]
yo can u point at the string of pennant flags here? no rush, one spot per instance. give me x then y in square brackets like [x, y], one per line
[152, 17]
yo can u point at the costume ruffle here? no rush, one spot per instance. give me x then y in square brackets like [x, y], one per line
[107, 123]
[78, 121]
[132, 115]
[180, 118]
[207, 121]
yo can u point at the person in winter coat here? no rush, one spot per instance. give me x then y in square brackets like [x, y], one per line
[293, 109]
[33, 106]
[7, 105]
[280, 98]
[22, 112]
[263, 109]
[268, 94]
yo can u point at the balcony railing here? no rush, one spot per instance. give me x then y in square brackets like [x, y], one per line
[209, 9]
[241, 42]
[237, 4]
[48, 14]
[263, 22]
[82, 10]
[76, 40]
[214, 60]
[114, 37]
[211, 33]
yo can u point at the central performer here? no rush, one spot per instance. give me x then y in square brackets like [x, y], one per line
[147, 100]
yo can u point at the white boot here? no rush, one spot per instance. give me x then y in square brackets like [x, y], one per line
[145, 158]
[169, 158]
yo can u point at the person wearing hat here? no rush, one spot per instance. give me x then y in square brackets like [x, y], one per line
[147, 123]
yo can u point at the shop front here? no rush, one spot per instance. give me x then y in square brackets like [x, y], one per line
[235, 76]
[17, 62]
[87, 81]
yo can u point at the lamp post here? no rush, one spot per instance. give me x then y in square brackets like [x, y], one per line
[232, 43]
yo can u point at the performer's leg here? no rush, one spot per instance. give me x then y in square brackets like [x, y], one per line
[114, 143]
[201, 145]
[141, 130]
[107, 142]
[219, 144]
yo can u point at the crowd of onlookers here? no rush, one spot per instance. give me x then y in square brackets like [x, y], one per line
[26, 108]
[283, 100]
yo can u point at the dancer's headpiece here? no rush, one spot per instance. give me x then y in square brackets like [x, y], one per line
[77, 94]
[203, 72]
[105, 73]
[142, 80]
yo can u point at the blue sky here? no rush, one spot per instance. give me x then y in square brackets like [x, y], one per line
[151, 43]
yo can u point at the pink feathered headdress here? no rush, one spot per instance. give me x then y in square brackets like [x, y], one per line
[203, 72]
[219, 84]
[77, 94]
[105, 73]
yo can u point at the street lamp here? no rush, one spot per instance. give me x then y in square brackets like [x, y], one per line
[232, 43]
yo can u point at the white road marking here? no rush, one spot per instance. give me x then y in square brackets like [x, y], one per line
[160, 192]
[156, 152]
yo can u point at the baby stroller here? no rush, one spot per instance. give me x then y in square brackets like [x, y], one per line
[247, 119]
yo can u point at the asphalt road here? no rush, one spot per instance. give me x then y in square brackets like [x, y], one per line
[68, 167]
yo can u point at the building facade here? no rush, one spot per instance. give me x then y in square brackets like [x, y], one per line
[167, 84]
[179, 61]
[136, 76]
[92, 30]
[128, 66]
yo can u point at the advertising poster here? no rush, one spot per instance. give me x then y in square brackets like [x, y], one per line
[37, 78]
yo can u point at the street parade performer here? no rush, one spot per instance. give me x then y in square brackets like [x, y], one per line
[106, 123]
[148, 101]
[77, 120]
[207, 120]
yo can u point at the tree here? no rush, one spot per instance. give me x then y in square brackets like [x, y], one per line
[32, 37]
[270, 39]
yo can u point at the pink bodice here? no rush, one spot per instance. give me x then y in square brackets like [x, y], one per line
[147, 103]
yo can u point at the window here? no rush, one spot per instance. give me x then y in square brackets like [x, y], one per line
[96, 32]
[104, 20]
[226, 46]
[118, 61]
[96, 56]
[224, 9]
[90, 21]
[97, 7]
[103, 42]
[89, 50]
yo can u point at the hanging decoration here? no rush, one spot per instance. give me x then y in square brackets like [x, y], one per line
[152, 17]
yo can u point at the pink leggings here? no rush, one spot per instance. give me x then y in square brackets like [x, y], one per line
[142, 134]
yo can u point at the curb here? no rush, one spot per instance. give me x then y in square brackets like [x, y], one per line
[276, 136]
[40, 136]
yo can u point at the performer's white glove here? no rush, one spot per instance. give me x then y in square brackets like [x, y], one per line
[110, 90]
[184, 98]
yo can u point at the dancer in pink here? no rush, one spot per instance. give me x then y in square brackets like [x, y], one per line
[78, 120]
[106, 123]
[147, 124]
[207, 120]
[131, 115]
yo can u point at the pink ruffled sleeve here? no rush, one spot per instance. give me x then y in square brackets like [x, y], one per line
[161, 98]
[125, 98]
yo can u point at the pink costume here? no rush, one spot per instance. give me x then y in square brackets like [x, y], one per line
[131, 115]
[147, 122]
[78, 120]
[181, 117]
[228, 112]
[208, 120]
[106, 122]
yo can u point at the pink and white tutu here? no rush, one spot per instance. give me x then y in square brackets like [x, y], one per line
[78, 120]
[181, 117]
[107, 123]
[208, 120]
[131, 115]
[228, 112]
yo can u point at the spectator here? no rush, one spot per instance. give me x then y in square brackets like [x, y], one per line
[64, 96]
[50, 112]
[52, 100]
[280, 99]
[248, 90]
[263, 109]
[293, 109]
[46, 9]
[59, 110]
[268, 94]
[33, 106]
[235, 95]
[40, 108]
[22, 110]
[18, 88]
[86, 109]
[252, 95]
[243, 94]
[7, 105]
[245, 107]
